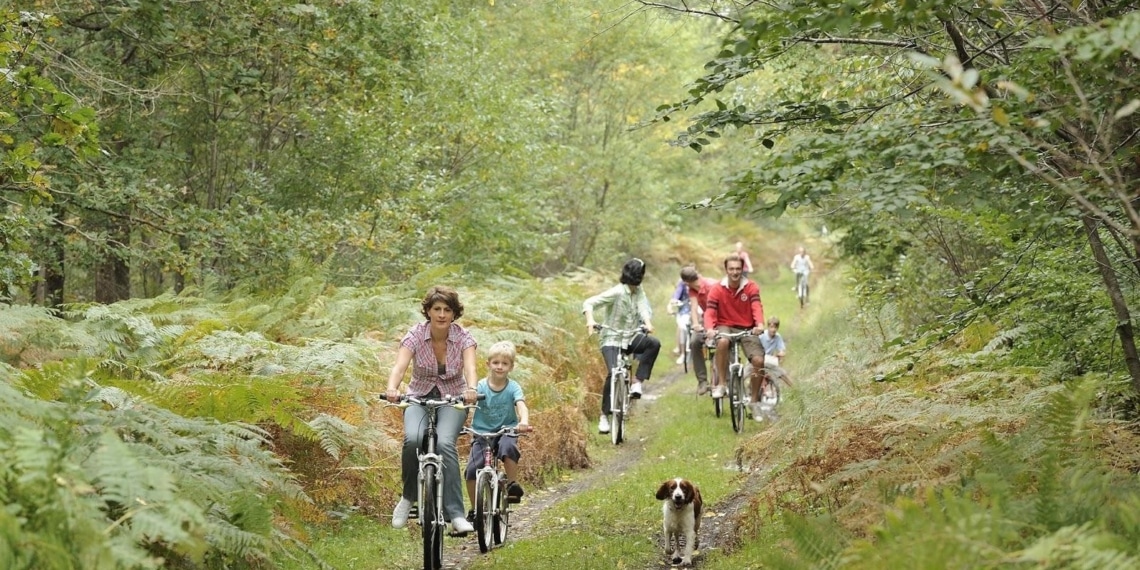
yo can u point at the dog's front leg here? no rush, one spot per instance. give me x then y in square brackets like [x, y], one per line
[690, 540]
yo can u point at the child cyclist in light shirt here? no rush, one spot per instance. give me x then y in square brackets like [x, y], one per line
[502, 406]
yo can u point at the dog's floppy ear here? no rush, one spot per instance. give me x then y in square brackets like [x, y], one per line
[664, 490]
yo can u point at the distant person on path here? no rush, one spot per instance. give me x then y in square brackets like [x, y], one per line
[442, 356]
[801, 266]
[679, 307]
[627, 308]
[503, 406]
[699, 288]
[743, 255]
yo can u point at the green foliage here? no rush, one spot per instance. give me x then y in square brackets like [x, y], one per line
[97, 479]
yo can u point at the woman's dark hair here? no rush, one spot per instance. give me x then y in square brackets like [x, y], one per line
[633, 272]
[445, 294]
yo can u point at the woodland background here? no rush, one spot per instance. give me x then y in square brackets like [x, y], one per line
[218, 217]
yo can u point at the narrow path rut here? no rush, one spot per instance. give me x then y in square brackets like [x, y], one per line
[715, 531]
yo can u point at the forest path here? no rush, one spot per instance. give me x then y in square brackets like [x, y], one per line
[461, 552]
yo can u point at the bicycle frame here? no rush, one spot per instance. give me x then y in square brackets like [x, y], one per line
[491, 526]
[430, 478]
[620, 380]
[736, 392]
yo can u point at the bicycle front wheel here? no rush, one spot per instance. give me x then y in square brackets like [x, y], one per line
[620, 405]
[431, 520]
[502, 520]
[484, 510]
[736, 399]
[717, 402]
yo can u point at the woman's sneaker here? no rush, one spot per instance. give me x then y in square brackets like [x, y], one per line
[604, 424]
[400, 513]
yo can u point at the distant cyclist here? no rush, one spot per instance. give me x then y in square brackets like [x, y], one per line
[679, 307]
[734, 306]
[801, 266]
[744, 258]
[699, 289]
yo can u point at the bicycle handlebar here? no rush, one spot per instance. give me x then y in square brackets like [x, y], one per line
[641, 329]
[734, 336]
[456, 402]
[513, 430]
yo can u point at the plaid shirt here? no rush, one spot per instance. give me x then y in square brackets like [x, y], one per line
[425, 368]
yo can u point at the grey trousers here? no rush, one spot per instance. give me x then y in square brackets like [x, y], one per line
[450, 422]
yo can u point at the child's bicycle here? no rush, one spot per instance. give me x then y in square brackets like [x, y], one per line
[430, 496]
[492, 503]
[621, 376]
[770, 396]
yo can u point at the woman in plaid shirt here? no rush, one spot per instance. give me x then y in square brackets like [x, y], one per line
[442, 356]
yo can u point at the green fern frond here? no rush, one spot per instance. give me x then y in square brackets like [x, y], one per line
[818, 541]
[1083, 547]
[334, 434]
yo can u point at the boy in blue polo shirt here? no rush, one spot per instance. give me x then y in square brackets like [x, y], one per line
[502, 406]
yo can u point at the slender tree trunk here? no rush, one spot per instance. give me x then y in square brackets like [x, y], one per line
[1119, 305]
[112, 274]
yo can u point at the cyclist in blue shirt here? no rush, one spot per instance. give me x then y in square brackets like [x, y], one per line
[503, 406]
[679, 308]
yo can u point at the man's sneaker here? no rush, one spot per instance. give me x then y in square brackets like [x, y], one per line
[604, 424]
[459, 525]
[681, 359]
[514, 492]
[702, 387]
[635, 390]
[400, 513]
[718, 391]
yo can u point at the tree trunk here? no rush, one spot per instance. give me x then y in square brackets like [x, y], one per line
[1119, 305]
[112, 280]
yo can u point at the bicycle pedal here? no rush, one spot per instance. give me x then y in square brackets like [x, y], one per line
[514, 500]
[414, 513]
[454, 534]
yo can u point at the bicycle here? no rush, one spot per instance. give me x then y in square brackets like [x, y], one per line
[802, 288]
[770, 386]
[492, 503]
[738, 398]
[620, 378]
[429, 501]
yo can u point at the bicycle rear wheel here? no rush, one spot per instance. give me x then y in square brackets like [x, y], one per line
[502, 521]
[484, 511]
[430, 520]
[736, 399]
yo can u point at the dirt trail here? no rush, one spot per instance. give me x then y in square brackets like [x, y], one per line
[460, 552]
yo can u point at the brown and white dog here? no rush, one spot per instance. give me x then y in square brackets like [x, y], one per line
[682, 509]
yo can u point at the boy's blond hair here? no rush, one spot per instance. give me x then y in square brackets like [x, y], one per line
[504, 348]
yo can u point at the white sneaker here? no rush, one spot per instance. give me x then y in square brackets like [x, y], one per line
[635, 390]
[718, 391]
[604, 424]
[400, 514]
[459, 525]
[681, 359]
